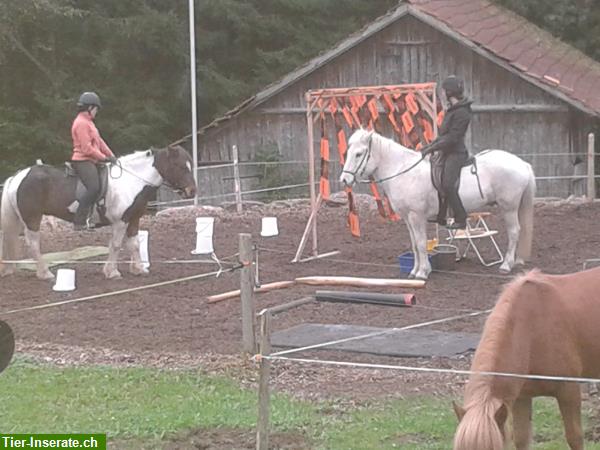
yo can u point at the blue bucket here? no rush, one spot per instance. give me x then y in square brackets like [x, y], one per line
[407, 261]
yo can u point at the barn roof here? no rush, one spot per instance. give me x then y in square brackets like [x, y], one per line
[492, 31]
[535, 54]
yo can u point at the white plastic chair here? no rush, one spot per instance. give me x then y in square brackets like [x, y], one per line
[476, 229]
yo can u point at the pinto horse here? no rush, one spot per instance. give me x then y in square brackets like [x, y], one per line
[44, 190]
[544, 325]
[502, 179]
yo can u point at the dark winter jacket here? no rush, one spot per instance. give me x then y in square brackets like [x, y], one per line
[451, 134]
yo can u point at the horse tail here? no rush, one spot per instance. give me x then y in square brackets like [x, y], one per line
[10, 225]
[479, 429]
[526, 218]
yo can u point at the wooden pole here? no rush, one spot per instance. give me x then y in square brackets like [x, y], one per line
[236, 180]
[263, 288]
[311, 171]
[591, 181]
[307, 229]
[247, 293]
[262, 426]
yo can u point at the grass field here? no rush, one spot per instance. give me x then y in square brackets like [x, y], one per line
[149, 408]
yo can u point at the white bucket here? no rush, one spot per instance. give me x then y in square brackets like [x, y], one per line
[65, 280]
[143, 242]
[204, 236]
[269, 227]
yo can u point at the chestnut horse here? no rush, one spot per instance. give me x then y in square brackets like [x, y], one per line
[544, 325]
[44, 190]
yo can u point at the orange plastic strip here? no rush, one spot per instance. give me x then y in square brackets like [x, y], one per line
[324, 188]
[325, 149]
[333, 106]
[392, 215]
[440, 118]
[427, 130]
[407, 122]
[373, 109]
[342, 145]
[411, 103]
[354, 226]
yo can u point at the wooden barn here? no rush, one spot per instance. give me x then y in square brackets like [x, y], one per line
[534, 95]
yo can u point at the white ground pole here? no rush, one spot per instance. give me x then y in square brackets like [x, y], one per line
[193, 94]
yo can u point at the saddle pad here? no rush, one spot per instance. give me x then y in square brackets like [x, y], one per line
[58, 258]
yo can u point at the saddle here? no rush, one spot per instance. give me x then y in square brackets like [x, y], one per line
[437, 170]
[80, 190]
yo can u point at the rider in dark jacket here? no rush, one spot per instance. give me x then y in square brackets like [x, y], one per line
[451, 144]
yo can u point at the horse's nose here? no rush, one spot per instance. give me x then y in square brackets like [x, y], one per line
[190, 191]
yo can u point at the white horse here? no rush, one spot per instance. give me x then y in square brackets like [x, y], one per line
[506, 181]
[44, 190]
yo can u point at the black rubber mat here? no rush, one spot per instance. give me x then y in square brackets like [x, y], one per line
[409, 343]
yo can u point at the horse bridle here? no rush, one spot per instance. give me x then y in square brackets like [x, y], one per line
[123, 169]
[366, 158]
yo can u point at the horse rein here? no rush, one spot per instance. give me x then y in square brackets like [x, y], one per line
[366, 158]
[120, 166]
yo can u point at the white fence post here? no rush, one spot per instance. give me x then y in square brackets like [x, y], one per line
[591, 181]
[236, 180]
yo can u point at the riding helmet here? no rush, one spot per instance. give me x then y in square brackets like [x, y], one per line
[89, 99]
[453, 86]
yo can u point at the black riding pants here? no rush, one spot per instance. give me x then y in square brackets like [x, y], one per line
[88, 174]
[450, 181]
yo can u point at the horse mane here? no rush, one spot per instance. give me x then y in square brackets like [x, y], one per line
[478, 427]
[389, 145]
[137, 154]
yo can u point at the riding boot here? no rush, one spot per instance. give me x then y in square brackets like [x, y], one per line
[440, 218]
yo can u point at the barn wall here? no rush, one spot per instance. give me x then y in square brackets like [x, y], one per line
[409, 51]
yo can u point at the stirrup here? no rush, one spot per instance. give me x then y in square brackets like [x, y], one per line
[437, 220]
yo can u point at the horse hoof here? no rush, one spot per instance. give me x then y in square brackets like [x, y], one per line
[422, 277]
[139, 271]
[411, 276]
[46, 276]
[504, 270]
[114, 275]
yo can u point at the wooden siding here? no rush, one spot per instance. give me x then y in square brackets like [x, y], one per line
[409, 51]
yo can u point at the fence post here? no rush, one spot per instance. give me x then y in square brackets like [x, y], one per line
[236, 180]
[264, 406]
[591, 181]
[247, 293]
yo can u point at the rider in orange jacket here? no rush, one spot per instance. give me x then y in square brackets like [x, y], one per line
[88, 150]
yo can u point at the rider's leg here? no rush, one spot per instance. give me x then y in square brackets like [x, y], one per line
[450, 185]
[88, 173]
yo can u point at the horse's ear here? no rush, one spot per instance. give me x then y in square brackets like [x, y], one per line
[458, 410]
[501, 415]
[370, 134]
[172, 150]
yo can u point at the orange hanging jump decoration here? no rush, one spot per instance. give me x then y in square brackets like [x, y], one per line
[409, 111]
[324, 187]
[411, 103]
[352, 215]
[407, 122]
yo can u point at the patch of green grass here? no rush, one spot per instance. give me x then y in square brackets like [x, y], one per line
[145, 408]
[131, 402]
[427, 424]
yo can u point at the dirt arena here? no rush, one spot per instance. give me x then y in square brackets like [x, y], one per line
[174, 326]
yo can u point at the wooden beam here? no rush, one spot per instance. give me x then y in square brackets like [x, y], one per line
[263, 288]
[360, 282]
